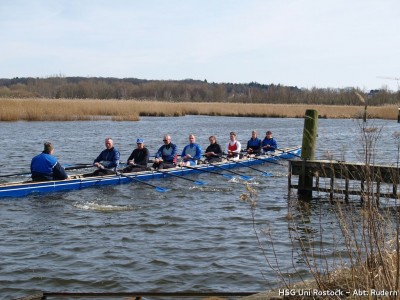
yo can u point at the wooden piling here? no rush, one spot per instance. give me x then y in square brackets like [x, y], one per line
[308, 153]
[398, 115]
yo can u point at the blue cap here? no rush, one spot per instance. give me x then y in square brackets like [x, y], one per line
[139, 141]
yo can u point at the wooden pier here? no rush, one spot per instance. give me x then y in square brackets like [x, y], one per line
[335, 177]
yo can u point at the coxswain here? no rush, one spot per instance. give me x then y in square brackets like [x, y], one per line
[45, 167]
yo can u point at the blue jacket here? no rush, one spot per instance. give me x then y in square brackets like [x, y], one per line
[168, 153]
[109, 158]
[194, 150]
[45, 167]
[254, 144]
[270, 142]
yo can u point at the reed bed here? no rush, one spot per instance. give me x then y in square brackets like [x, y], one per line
[130, 110]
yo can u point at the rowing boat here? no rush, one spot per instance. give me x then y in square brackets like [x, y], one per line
[20, 189]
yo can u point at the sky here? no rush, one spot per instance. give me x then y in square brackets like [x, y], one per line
[303, 43]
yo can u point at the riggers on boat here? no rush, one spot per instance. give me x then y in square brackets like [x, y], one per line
[20, 189]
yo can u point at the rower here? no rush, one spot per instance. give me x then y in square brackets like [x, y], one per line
[233, 147]
[191, 153]
[45, 167]
[138, 159]
[166, 155]
[269, 143]
[213, 152]
[254, 144]
[108, 160]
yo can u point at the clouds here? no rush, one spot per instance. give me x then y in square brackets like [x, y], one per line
[304, 43]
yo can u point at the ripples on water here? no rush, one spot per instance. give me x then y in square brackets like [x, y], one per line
[130, 237]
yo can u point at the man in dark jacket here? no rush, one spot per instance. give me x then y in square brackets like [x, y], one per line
[108, 160]
[138, 159]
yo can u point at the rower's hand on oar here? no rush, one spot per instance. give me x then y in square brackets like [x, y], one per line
[99, 165]
[187, 157]
[131, 162]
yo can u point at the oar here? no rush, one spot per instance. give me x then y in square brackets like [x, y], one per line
[264, 173]
[73, 167]
[288, 152]
[78, 166]
[244, 177]
[268, 161]
[208, 171]
[157, 188]
[198, 182]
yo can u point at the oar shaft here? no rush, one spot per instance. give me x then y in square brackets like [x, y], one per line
[250, 167]
[230, 171]
[202, 170]
[77, 167]
[268, 161]
[160, 189]
[15, 174]
[288, 152]
[174, 175]
[74, 167]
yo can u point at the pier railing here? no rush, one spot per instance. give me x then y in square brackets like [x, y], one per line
[368, 181]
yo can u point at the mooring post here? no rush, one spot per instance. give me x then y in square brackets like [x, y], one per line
[308, 153]
[398, 115]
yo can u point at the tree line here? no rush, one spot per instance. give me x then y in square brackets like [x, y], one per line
[189, 90]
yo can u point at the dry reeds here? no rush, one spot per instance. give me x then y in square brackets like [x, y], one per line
[122, 110]
[64, 110]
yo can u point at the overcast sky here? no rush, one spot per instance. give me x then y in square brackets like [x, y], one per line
[309, 43]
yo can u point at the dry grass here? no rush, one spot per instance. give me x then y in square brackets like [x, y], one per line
[122, 110]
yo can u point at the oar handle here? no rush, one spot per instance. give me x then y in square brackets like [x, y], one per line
[77, 167]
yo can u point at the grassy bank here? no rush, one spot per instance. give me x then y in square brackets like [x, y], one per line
[131, 110]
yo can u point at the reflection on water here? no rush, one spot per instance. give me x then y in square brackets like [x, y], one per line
[130, 237]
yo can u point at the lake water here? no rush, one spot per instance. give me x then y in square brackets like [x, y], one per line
[130, 237]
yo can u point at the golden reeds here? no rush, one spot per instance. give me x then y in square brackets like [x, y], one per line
[120, 110]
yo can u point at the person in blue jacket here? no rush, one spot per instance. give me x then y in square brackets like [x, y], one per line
[269, 144]
[166, 156]
[108, 160]
[254, 144]
[191, 153]
[45, 167]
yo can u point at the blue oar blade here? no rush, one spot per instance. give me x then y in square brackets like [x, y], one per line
[227, 176]
[268, 174]
[161, 190]
[244, 177]
[200, 182]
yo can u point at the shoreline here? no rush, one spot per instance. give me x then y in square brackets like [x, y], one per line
[34, 109]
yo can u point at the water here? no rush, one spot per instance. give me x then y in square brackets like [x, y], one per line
[130, 237]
